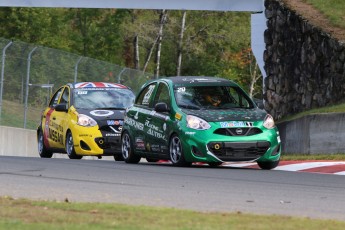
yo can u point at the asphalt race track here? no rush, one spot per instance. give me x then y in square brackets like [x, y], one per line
[241, 188]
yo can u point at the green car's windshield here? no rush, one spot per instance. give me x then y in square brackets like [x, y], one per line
[212, 97]
[103, 98]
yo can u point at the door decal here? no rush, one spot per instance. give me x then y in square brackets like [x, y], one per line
[46, 128]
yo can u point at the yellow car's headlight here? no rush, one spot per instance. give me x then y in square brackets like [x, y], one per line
[84, 120]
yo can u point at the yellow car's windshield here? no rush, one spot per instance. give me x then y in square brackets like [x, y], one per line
[103, 98]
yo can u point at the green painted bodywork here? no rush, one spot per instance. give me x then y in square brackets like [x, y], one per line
[150, 131]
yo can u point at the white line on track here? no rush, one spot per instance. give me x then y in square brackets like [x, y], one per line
[307, 165]
[239, 165]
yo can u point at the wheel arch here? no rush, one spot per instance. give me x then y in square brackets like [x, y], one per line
[68, 130]
[39, 129]
[171, 135]
[123, 132]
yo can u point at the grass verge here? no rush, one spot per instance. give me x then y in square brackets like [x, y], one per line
[26, 214]
[339, 108]
[333, 9]
[13, 115]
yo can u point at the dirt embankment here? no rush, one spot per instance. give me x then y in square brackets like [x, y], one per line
[316, 18]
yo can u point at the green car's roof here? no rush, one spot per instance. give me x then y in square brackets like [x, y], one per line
[199, 81]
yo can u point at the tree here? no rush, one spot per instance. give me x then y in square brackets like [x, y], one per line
[204, 43]
[255, 76]
[140, 27]
[84, 28]
[162, 21]
[180, 44]
[39, 26]
[244, 70]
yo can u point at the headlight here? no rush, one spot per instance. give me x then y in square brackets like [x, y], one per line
[194, 122]
[85, 120]
[269, 122]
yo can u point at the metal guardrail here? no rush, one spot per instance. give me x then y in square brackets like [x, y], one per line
[31, 73]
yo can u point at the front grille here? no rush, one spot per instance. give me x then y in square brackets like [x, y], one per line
[111, 128]
[239, 151]
[238, 131]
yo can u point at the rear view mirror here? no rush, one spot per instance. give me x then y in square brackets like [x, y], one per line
[161, 107]
[61, 107]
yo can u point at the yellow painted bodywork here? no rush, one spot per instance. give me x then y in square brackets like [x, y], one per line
[61, 122]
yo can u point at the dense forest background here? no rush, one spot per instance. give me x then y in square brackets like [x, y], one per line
[166, 43]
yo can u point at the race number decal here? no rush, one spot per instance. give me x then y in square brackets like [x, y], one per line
[148, 94]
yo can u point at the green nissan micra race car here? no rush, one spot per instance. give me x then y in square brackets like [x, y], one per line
[198, 119]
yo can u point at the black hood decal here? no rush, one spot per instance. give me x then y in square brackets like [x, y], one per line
[228, 114]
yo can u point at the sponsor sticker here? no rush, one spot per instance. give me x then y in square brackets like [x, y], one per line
[55, 132]
[115, 122]
[81, 92]
[155, 148]
[152, 126]
[156, 134]
[164, 148]
[134, 123]
[190, 133]
[232, 124]
[112, 134]
[139, 143]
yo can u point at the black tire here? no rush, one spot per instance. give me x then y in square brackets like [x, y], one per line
[214, 164]
[127, 149]
[70, 147]
[118, 157]
[176, 152]
[42, 149]
[268, 165]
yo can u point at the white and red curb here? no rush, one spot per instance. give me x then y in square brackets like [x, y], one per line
[317, 166]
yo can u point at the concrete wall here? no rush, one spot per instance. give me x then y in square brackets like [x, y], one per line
[17, 142]
[314, 134]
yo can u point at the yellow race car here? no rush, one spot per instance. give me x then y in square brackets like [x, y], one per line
[84, 119]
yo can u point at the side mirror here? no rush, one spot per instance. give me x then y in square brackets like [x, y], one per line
[61, 107]
[161, 107]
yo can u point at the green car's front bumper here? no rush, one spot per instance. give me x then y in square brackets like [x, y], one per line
[219, 144]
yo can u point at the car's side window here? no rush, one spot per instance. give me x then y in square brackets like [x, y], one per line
[145, 96]
[162, 95]
[55, 99]
[65, 96]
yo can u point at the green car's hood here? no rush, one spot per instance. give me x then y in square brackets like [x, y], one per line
[228, 114]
